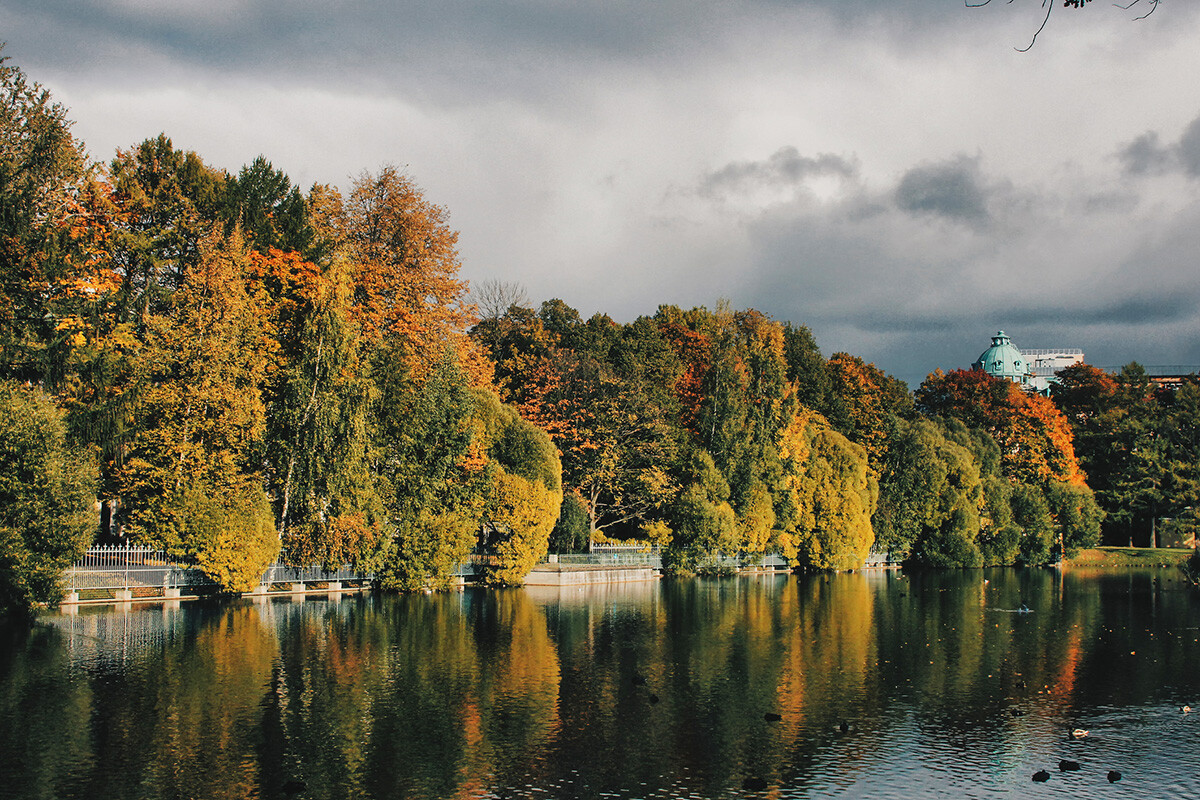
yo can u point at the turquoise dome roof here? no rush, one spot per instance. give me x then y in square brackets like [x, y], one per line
[1003, 360]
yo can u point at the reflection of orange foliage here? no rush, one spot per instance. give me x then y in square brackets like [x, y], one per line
[473, 772]
[525, 683]
[1068, 672]
[830, 645]
[216, 699]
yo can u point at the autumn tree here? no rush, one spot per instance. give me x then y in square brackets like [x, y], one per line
[835, 492]
[191, 478]
[317, 398]
[1035, 439]
[862, 399]
[616, 444]
[405, 272]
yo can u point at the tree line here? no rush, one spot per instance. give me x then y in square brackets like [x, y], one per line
[227, 367]
[230, 368]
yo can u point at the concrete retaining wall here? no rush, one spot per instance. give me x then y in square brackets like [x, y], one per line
[559, 575]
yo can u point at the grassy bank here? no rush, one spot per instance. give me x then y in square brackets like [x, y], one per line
[1131, 557]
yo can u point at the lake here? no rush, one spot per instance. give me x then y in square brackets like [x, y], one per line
[859, 685]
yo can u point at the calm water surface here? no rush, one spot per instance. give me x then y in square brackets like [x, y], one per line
[886, 686]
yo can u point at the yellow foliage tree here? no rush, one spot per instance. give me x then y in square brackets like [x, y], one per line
[191, 478]
[526, 490]
[832, 494]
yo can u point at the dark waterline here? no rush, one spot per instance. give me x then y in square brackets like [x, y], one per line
[885, 685]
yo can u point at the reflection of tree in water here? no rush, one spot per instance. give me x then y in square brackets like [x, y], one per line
[518, 689]
[518, 693]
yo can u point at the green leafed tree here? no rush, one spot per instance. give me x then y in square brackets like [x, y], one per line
[271, 212]
[42, 168]
[1077, 517]
[1031, 514]
[167, 202]
[571, 531]
[930, 497]
[702, 520]
[999, 536]
[430, 471]
[47, 492]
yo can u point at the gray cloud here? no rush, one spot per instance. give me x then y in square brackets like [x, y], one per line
[785, 168]
[1189, 149]
[1146, 155]
[1147, 310]
[952, 189]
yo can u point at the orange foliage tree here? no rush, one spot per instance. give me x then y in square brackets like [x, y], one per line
[405, 271]
[1036, 443]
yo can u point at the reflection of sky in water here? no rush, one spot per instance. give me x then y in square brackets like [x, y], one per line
[627, 691]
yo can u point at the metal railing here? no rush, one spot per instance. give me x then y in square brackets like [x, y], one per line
[641, 555]
[133, 567]
[130, 567]
[615, 555]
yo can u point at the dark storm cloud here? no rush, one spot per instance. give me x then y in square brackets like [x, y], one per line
[891, 323]
[1133, 311]
[1136, 311]
[491, 42]
[952, 189]
[784, 168]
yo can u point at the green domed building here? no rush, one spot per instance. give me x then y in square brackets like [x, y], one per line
[1004, 360]
[1034, 370]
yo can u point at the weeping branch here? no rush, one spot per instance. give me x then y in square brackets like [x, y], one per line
[1152, 3]
[1049, 6]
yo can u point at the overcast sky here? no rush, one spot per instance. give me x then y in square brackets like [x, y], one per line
[892, 173]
